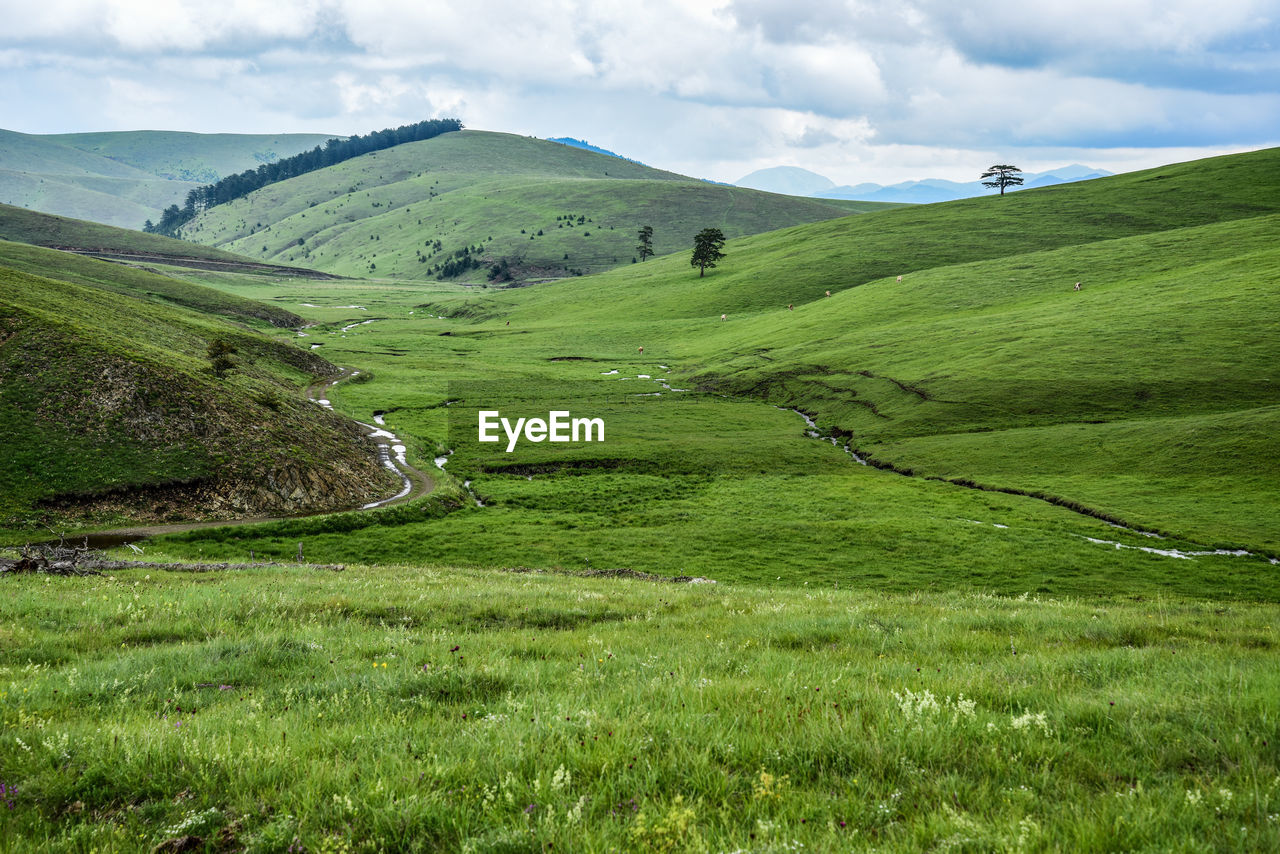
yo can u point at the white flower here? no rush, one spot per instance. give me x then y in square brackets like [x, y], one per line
[1032, 719]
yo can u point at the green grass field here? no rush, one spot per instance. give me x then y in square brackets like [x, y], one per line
[956, 650]
[549, 209]
[415, 709]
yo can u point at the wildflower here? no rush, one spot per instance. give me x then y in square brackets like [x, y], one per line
[1032, 719]
[769, 786]
[561, 779]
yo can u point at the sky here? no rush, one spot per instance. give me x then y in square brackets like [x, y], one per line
[856, 90]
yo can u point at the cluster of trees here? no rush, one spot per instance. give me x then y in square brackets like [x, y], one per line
[334, 151]
[706, 247]
[464, 259]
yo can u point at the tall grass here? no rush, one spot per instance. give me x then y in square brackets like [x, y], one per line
[408, 709]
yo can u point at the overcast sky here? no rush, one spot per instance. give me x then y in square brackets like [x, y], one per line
[857, 90]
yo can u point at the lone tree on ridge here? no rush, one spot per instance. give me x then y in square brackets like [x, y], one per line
[706, 249]
[1003, 176]
[645, 247]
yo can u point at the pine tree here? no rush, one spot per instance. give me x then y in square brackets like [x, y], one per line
[1004, 177]
[645, 247]
[706, 249]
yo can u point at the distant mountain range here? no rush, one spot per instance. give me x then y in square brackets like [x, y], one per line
[586, 146]
[124, 178]
[794, 181]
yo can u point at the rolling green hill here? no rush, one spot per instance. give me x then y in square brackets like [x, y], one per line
[548, 209]
[797, 265]
[110, 412]
[144, 284]
[106, 241]
[1150, 395]
[125, 178]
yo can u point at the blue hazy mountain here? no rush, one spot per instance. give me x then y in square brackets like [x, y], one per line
[801, 182]
[791, 180]
[582, 143]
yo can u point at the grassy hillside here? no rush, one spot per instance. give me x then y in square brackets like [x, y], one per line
[110, 411]
[1146, 398]
[548, 209]
[797, 265]
[123, 202]
[180, 156]
[1169, 339]
[39, 229]
[144, 284]
[125, 178]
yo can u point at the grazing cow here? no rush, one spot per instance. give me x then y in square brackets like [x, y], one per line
[828, 293]
[790, 307]
[724, 317]
[1077, 286]
[641, 349]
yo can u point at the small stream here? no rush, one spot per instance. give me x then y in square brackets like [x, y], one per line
[813, 433]
[391, 451]
[1178, 554]
[442, 461]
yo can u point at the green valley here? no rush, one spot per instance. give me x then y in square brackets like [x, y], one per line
[970, 559]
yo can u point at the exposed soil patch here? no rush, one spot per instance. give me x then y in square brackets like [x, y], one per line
[526, 469]
[617, 573]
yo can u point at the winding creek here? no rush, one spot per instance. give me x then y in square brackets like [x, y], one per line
[392, 454]
[391, 450]
[1178, 554]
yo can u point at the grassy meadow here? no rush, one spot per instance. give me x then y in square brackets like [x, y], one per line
[686, 483]
[400, 708]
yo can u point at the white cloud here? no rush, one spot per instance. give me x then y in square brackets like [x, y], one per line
[851, 86]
